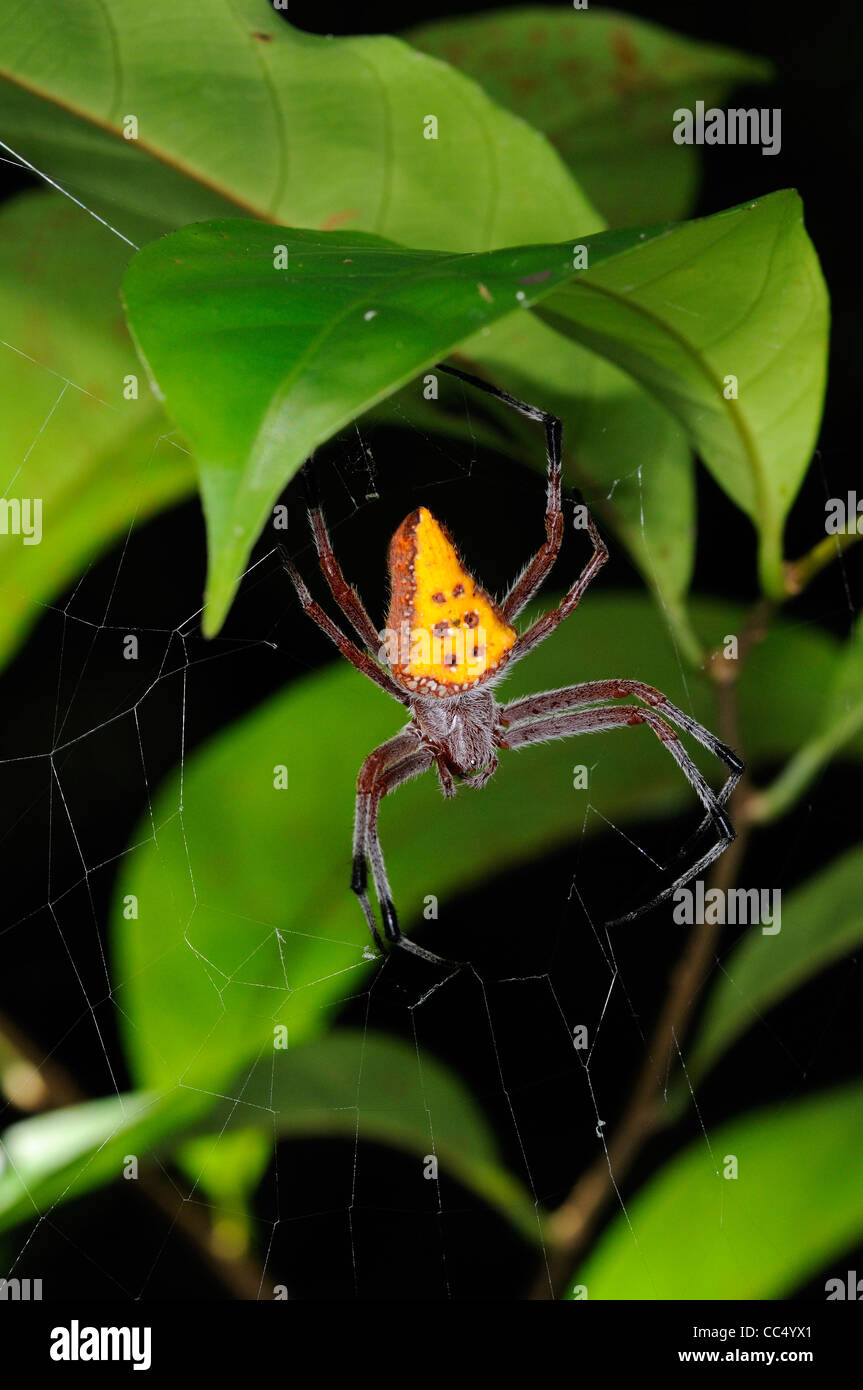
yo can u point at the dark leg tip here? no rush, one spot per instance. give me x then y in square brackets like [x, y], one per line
[391, 921]
[734, 762]
[359, 875]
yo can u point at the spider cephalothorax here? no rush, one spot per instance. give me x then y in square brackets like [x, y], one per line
[446, 642]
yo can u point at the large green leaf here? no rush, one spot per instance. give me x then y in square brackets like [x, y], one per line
[260, 364]
[821, 922]
[603, 87]
[692, 1233]
[362, 1086]
[97, 460]
[69, 79]
[738, 296]
[245, 917]
[238, 112]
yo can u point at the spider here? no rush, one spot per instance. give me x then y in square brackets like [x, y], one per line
[446, 644]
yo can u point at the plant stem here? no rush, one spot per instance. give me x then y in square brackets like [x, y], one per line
[34, 1082]
[799, 771]
[799, 573]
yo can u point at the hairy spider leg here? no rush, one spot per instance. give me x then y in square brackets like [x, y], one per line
[388, 767]
[540, 566]
[344, 593]
[536, 571]
[588, 692]
[361, 660]
[569, 723]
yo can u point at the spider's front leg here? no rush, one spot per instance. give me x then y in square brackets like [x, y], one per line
[361, 660]
[388, 767]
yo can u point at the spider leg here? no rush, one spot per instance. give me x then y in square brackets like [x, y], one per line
[344, 593]
[388, 767]
[375, 764]
[536, 571]
[587, 721]
[574, 696]
[348, 649]
[538, 631]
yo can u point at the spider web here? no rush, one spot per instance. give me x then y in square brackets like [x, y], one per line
[65, 914]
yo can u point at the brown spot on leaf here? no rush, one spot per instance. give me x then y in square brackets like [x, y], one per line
[262, 38]
[625, 51]
[338, 219]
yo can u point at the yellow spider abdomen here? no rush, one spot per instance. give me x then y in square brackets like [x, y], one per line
[445, 634]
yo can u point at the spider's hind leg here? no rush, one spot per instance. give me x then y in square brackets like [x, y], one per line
[556, 714]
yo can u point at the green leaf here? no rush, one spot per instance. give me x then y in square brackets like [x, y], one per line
[245, 917]
[68, 80]
[65, 1153]
[604, 88]
[271, 122]
[840, 719]
[356, 1085]
[260, 365]
[96, 460]
[821, 922]
[740, 295]
[796, 1204]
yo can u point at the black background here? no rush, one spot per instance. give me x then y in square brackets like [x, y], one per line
[111, 1245]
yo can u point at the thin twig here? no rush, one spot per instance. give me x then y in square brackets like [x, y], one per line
[800, 573]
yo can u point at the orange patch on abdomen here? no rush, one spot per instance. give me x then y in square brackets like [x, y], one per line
[445, 633]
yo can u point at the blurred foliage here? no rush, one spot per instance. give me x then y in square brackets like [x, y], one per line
[706, 1230]
[99, 459]
[602, 90]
